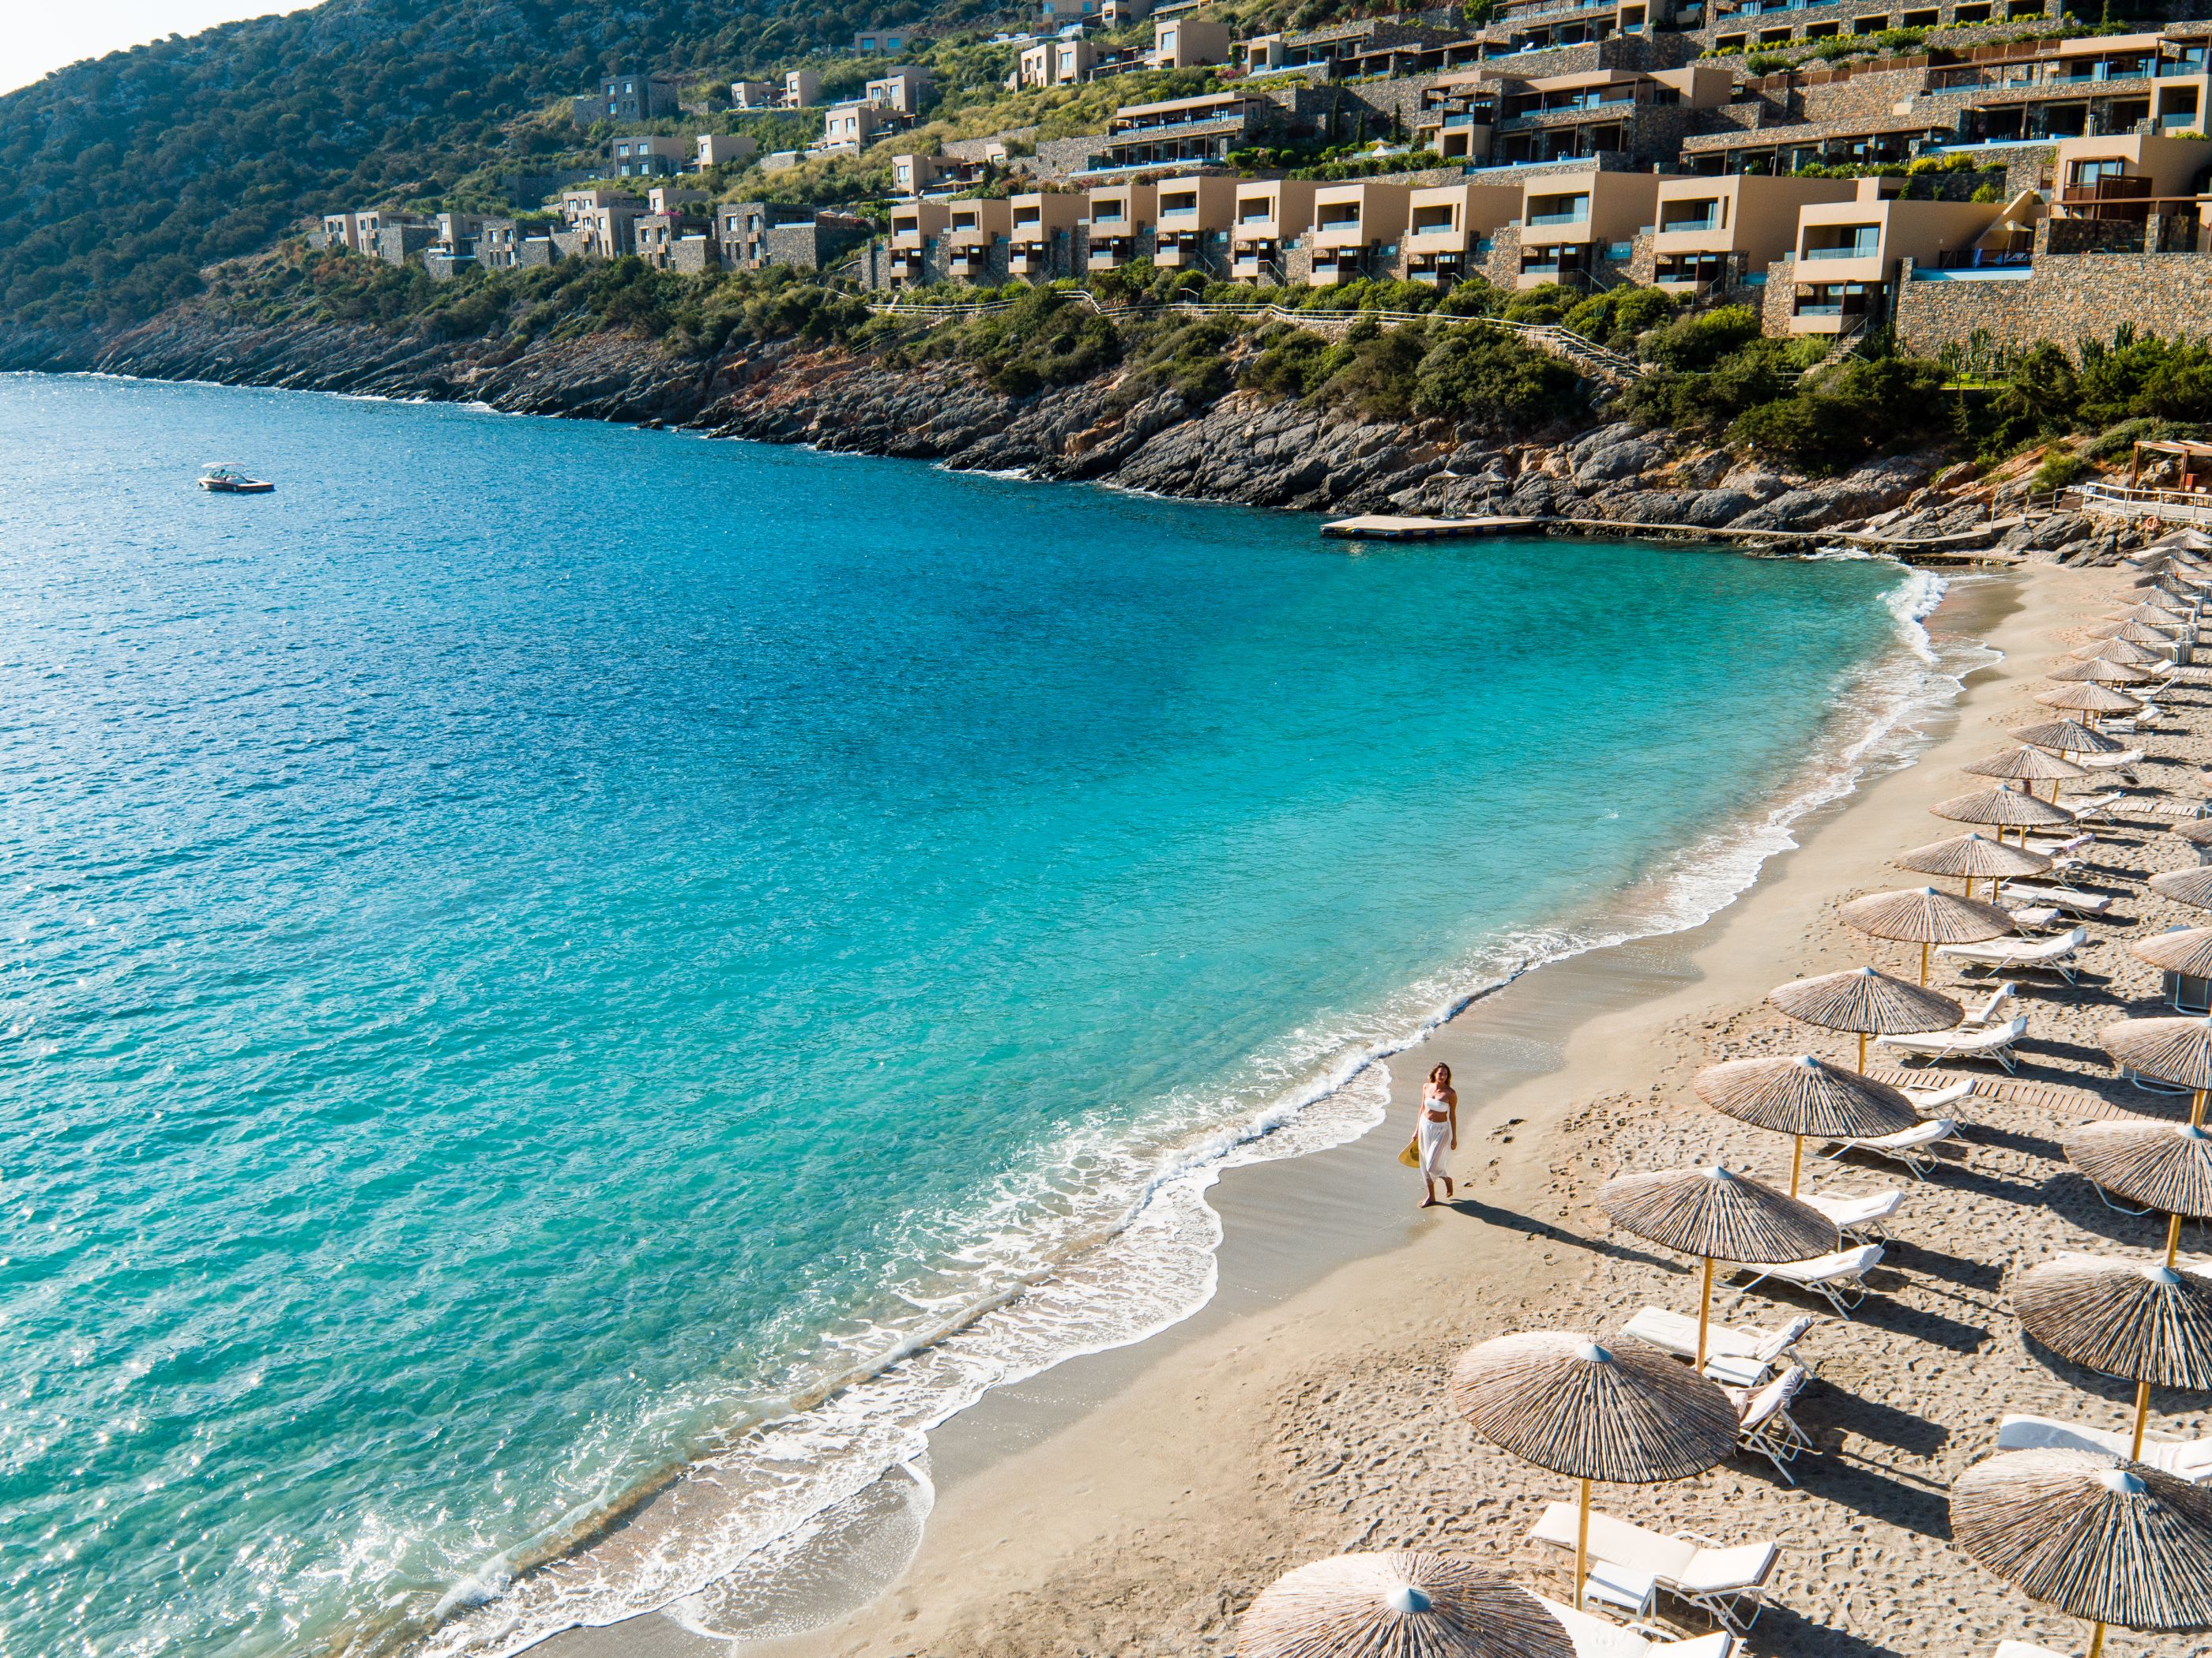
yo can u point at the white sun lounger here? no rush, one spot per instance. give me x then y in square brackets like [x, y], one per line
[1984, 1013]
[1840, 1279]
[1938, 1101]
[2092, 905]
[1592, 1637]
[1909, 1147]
[2096, 807]
[2185, 1459]
[1993, 1043]
[2060, 846]
[2036, 917]
[1861, 1219]
[1765, 1426]
[1728, 1583]
[2052, 954]
[1674, 1332]
[2121, 764]
[2005, 1649]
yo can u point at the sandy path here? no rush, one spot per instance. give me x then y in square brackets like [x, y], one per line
[1320, 1424]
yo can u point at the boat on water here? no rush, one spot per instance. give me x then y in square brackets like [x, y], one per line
[222, 479]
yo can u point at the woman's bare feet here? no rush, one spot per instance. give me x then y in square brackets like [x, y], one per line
[1430, 1201]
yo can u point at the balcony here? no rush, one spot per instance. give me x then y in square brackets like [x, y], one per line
[1539, 221]
[1848, 250]
[1689, 227]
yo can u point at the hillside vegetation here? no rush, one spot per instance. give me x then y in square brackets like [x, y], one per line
[128, 174]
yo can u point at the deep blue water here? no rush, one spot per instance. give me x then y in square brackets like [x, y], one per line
[539, 940]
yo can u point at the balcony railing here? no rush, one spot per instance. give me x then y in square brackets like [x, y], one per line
[1852, 250]
[1537, 219]
[1710, 222]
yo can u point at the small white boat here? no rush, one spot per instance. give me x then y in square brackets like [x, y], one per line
[219, 477]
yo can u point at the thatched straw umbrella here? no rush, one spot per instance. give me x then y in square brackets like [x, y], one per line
[1799, 1094]
[1924, 916]
[1970, 857]
[2095, 700]
[2177, 1051]
[2151, 615]
[2003, 809]
[2186, 951]
[2135, 633]
[2027, 764]
[2197, 831]
[2143, 1323]
[1867, 1003]
[2161, 1165]
[1406, 1603]
[2103, 1540]
[2098, 671]
[1716, 1214]
[2067, 737]
[1627, 1416]
[2115, 650]
[2192, 887]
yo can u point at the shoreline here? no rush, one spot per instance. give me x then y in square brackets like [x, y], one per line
[1273, 1255]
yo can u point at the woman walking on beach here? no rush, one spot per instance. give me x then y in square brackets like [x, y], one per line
[1436, 1133]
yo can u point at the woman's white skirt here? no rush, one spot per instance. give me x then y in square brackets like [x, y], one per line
[1435, 1139]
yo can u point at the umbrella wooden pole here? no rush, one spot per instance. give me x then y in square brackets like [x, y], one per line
[1705, 1307]
[2196, 1110]
[1796, 1162]
[2173, 1237]
[2096, 1642]
[1581, 1546]
[1862, 1052]
[2142, 1416]
[1924, 972]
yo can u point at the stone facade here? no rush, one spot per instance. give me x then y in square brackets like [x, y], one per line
[2065, 297]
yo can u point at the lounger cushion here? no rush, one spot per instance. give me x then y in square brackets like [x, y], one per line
[1728, 1571]
[1843, 1264]
[1618, 1541]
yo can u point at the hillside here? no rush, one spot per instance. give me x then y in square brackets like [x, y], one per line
[132, 171]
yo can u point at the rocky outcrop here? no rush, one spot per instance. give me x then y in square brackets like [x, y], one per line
[1243, 448]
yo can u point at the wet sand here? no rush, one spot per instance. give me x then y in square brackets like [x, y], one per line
[1133, 1502]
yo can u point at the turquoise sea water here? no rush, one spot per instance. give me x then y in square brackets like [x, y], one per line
[534, 947]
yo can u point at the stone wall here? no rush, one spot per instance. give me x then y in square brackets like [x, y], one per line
[1780, 297]
[977, 150]
[2067, 298]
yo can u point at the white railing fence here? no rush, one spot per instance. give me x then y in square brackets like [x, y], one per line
[2167, 506]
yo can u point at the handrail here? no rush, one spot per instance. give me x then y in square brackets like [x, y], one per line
[1561, 342]
[2168, 506]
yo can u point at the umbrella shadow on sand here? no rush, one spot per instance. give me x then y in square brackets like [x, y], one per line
[1512, 1220]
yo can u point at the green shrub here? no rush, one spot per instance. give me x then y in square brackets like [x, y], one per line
[1475, 375]
[1865, 407]
[2059, 469]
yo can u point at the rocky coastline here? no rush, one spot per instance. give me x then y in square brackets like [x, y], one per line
[1246, 448]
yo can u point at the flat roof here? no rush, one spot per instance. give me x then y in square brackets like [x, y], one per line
[1181, 103]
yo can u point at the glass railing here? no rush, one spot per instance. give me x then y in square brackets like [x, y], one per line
[1538, 219]
[1178, 213]
[1710, 222]
[1854, 251]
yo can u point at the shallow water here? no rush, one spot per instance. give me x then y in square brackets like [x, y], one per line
[541, 945]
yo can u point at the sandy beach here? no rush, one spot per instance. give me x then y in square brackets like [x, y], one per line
[1148, 1495]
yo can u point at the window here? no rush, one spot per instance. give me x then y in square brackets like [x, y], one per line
[2089, 172]
[1870, 25]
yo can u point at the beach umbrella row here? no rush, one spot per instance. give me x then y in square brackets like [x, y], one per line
[1798, 1094]
[1924, 916]
[1972, 858]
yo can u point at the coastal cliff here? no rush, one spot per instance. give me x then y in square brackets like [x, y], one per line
[1245, 447]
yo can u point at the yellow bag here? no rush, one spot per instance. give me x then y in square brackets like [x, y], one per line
[1411, 1157]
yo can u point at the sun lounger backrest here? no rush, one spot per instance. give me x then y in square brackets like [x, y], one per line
[1720, 1571]
[2042, 1433]
[1719, 1644]
[1617, 1540]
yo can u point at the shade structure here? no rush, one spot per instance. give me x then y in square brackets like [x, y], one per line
[2067, 737]
[1799, 1094]
[2115, 650]
[2001, 809]
[2187, 951]
[2098, 670]
[1867, 1003]
[1972, 858]
[2135, 633]
[2177, 1051]
[2161, 1165]
[2154, 615]
[1925, 916]
[1627, 1415]
[2197, 831]
[1716, 1214]
[2192, 887]
[2026, 764]
[2107, 1541]
[2097, 700]
[2137, 1320]
[1405, 1603]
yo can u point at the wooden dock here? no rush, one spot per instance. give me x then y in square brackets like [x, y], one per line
[1951, 551]
[1382, 527]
